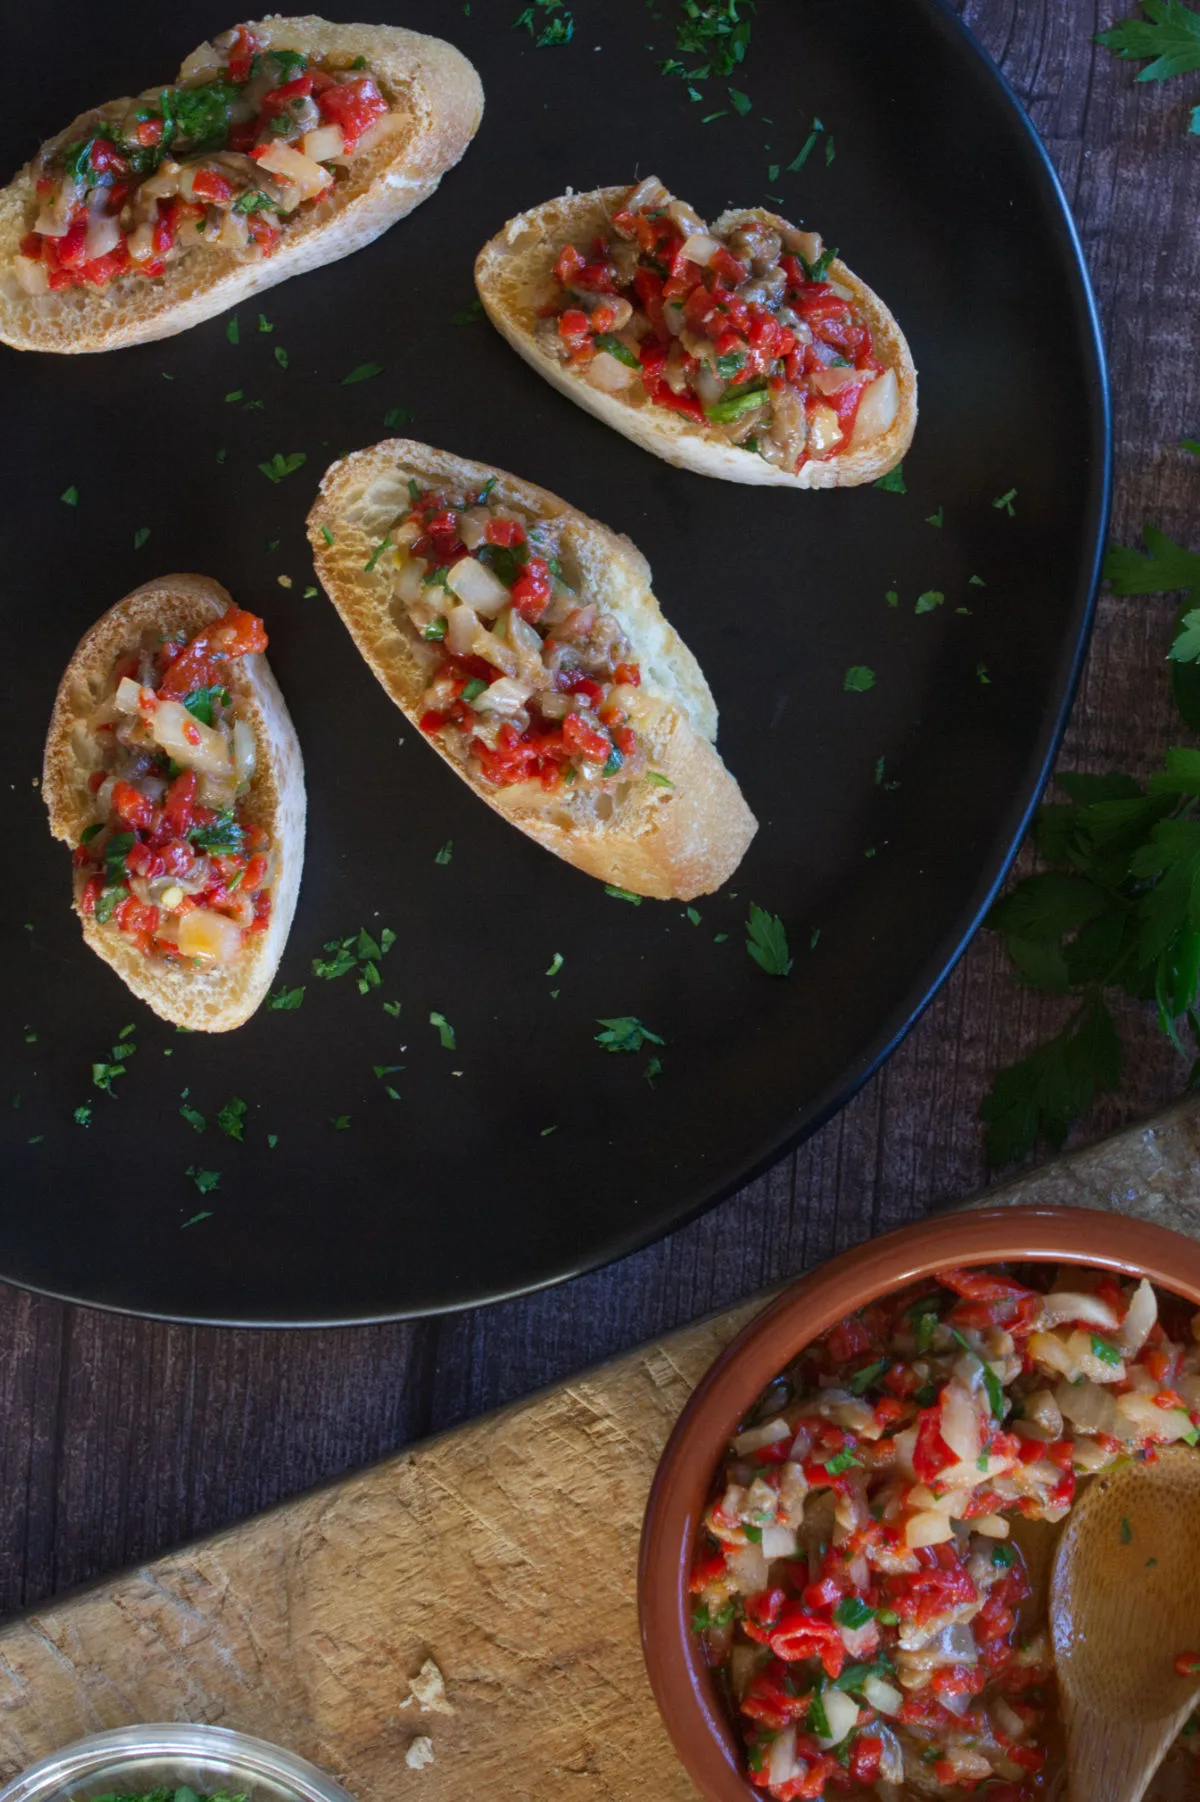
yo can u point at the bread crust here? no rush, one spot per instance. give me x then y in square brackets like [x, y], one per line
[514, 277]
[431, 80]
[677, 840]
[215, 998]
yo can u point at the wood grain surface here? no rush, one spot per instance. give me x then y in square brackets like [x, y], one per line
[119, 1437]
[506, 1550]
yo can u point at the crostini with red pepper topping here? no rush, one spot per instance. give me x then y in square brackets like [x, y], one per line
[281, 145]
[524, 641]
[173, 771]
[744, 350]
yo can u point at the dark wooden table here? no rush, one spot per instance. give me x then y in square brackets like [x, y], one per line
[119, 1437]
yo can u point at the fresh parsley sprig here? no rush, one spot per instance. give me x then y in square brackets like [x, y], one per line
[1117, 909]
[1167, 40]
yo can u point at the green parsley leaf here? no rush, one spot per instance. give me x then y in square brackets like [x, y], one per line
[140, 537]
[392, 1008]
[622, 894]
[841, 1461]
[222, 834]
[556, 964]
[659, 780]
[991, 1382]
[1005, 502]
[1107, 1354]
[893, 481]
[444, 1030]
[766, 941]
[927, 602]
[1004, 1556]
[340, 1123]
[281, 356]
[866, 1378]
[612, 344]
[362, 372]
[200, 701]
[471, 314]
[232, 331]
[280, 466]
[1126, 1531]
[446, 853]
[653, 1070]
[1170, 35]
[376, 554]
[625, 1033]
[741, 102]
[193, 1116]
[286, 1000]
[859, 678]
[205, 1180]
[939, 518]
[733, 406]
[806, 149]
[397, 416]
[231, 1118]
[70, 496]
[1043, 1094]
[851, 1611]
[817, 1721]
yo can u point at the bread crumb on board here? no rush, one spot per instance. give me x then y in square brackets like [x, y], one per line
[429, 1688]
[420, 1753]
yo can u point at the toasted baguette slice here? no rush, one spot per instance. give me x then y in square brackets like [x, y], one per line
[675, 838]
[515, 279]
[216, 997]
[429, 80]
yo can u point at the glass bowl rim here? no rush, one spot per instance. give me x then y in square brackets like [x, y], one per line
[243, 1752]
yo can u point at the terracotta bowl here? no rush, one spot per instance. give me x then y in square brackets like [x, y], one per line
[687, 1698]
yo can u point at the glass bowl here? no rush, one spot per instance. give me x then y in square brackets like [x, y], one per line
[171, 1756]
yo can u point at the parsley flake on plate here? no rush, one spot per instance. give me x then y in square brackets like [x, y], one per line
[445, 1031]
[939, 518]
[193, 1116]
[893, 481]
[231, 1119]
[83, 1114]
[281, 356]
[622, 894]
[927, 602]
[233, 330]
[340, 1123]
[286, 1000]
[556, 964]
[468, 315]
[140, 537]
[766, 941]
[205, 1180]
[396, 416]
[858, 679]
[70, 496]
[1004, 502]
[446, 853]
[362, 372]
[204, 1214]
[625, 1033]
[280, 466]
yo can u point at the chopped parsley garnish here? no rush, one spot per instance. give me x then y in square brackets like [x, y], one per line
[340, 1123]
[653, 1068]
[706, 1620]
[929, 601]
[280, 466]
[817, 1721]
[991, 1382]
[622, 894]
[1003, 1554]
[867, 1377]
[556, 964]
[233, 331]
[256, 200]
[281, 356]
[1107, 1354]
[554, 31]
[734, 405]
[1005, 502]
[939, 518]
[83, 1114]
[445, 1031]
[70, 496]
[766, 941]
[659, 780]
[200, 701]
[851, 1611]
[893, 481]
[859, 678]
[816, 272]
[807, 148]
[286, 1000]
[841, 1461]
[1126, 1531]
[222, 835]
[625, 1033]
[362, 372]
[205, 1180]
[613, 345]
[376, 554]
[104, 1073]
[446, 853]
[140, 536]
[231, 1118]
[468, 315]
[398, 416]
[327, 535]
[193, 1116]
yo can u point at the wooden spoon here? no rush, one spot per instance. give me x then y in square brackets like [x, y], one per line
[1124, 1601]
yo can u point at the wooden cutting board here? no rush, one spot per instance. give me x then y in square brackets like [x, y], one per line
[505, 1551]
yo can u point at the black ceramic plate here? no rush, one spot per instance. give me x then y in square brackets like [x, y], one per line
[888, 816]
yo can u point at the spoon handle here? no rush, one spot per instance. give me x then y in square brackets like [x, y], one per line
[1113, 1759]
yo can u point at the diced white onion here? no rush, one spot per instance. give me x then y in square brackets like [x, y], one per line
[877, 409]
[103, 229]
[824, 430]
[209, 936]
[326, 142]
[410, 586]
[992, 1526]
[189, 741]
[882, 1696]
[928, 1528]
[1078, 1307]
[747, 1567]
[960, 1423]
[383, 128]
[778, 1542]
[841, 1711]
[293, 166]
[462, 624]
[472, 526]
[1160, 1424]
[782, 1762]
[832, 381]
[141, 242]
[700, 248]
[245, 751]
[505, 696]
[755, 1438]
[477, 585]
[128, 698]
[1135, 1328]
[609, 374]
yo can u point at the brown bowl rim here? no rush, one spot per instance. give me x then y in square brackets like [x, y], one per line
[683, 1688]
